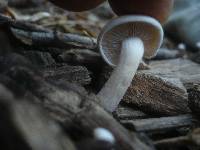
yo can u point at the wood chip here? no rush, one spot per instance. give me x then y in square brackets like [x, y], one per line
[158, 124]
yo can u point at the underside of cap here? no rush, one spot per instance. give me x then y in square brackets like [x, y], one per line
[115, 32]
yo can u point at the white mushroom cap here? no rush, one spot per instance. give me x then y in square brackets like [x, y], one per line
[114, 33]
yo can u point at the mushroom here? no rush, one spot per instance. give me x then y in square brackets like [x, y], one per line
[77, 5]
[159, 9]
[122, 42]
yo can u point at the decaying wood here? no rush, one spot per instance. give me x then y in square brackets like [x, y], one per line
[187, 71]
[194, 99]
[66, 73]
[162, 88]
[81, 56]
[124, 113]
[157, 94]
[173, 142]
[30, 126]
[192, 139]
[195, 136]
[158, 124]
[39, 59]
[70, 107]
[37, 36]
[54, 39]
[5, 45]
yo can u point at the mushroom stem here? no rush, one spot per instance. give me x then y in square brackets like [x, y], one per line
[113, 91]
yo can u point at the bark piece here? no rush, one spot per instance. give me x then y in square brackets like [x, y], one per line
[194, 99]
[124, 113]
[159, 124]
[33, 126]
[81, 56]
[192, 139]
[187, 71]
[66, 73]
[163, 88]
[34, 35]
[52, 39]
[157, 94]
[5, 42]
[10, 136]
[38, 130]
[9, 60]
[177, 142]
[40, 59]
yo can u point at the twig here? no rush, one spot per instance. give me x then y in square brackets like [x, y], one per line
[38, 36]
[173, 142]
[157, 124]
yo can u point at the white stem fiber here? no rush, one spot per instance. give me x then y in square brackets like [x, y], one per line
[113, 91]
